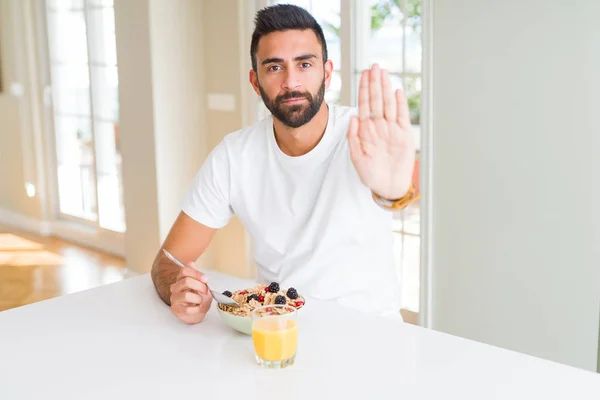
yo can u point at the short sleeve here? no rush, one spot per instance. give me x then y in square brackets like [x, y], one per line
[207, 199]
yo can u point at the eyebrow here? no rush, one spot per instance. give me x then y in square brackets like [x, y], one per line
[303, 57]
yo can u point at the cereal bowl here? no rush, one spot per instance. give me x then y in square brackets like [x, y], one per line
[240, 318]
[239, 323]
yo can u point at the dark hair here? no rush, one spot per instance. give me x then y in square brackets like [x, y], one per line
[284, 17]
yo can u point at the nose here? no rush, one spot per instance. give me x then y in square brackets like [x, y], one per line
[291, 80]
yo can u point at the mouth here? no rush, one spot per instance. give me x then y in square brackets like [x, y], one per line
[295, 100]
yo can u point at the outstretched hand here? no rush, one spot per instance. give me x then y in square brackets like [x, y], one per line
[381, 143]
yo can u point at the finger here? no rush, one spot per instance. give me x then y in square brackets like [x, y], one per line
[192, 265]
[369, 149]
[186, 299]
[403, 116]
[364, 111]
[191, 269]
[375, 96]
[192, 272]
[189, 315]
[389, 101]
[191, 298]
[192, 319]
[353, 139]
[368, 137]
[187, 283]
[206, 302]
[367, 132]
[193, 310]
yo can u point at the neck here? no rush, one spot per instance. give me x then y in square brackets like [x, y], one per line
[299, 141]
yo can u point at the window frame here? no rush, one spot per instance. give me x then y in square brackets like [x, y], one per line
[64, 219]
[355, 22]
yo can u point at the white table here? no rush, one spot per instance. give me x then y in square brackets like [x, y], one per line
[121, 342]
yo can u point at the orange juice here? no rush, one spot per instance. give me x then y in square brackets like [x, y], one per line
[275, 339]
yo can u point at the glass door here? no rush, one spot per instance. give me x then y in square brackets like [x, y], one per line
[387, 32]
[393, 39]
[83, 70]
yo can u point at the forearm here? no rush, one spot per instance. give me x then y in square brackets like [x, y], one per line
[187, 240]
[164, 274]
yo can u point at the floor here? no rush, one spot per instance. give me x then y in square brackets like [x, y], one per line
[34, 268]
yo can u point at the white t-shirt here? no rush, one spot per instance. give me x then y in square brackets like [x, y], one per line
[314, 225]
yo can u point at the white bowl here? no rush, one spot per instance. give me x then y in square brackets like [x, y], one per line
[242, 324]
[237, 322]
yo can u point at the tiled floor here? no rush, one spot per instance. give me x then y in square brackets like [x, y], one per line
[34, 268]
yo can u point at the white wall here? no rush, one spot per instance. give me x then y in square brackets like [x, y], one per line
[162, 121]
[166, 51]
[179, 101]
[21, 131]
[515, 179]
[136, 131]
[169, 62]
[227, 65]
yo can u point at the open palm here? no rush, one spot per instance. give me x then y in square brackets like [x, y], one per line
[381, 143]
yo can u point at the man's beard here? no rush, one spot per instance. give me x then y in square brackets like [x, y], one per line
[294, 115]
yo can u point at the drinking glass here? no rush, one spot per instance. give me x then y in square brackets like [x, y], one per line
[275, 335]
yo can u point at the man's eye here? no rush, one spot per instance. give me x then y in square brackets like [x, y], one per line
[274, 68]
[305, 65]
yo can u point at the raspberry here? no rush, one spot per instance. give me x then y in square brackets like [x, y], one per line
[292, 293]
[261, 298]
[227, 293]
[280, 300]
[299, 304]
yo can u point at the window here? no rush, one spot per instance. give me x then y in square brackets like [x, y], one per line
[394, 41]
[327, 14]
[388, 32]
[83, 68]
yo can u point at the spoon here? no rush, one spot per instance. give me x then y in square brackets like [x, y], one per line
[219, 297]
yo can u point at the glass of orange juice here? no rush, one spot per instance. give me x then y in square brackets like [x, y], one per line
[275, 335]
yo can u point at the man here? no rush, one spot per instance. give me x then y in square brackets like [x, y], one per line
[312, 184]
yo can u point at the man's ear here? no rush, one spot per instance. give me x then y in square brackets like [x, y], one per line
[328, 72]
[254, 81]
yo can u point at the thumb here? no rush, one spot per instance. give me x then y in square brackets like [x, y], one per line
[197, 274]
[206, 302]
[353, 138]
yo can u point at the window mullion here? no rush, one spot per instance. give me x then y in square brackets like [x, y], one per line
[347, 43]
[359, 26]
[403, 4]
[88, 21]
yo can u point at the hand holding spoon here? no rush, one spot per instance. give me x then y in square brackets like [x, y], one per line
[219, 297]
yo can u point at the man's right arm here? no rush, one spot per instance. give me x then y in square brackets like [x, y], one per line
[184, 289]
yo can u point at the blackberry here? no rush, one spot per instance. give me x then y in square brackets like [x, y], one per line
[280, 300]
[228, 293]
[292, 293]
[252, 296]
[274, 287]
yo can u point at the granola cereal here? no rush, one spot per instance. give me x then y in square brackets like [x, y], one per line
[261, 295]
